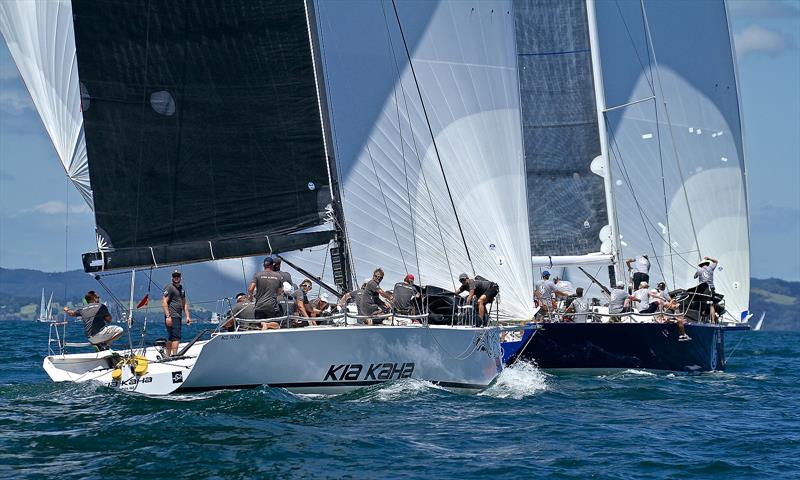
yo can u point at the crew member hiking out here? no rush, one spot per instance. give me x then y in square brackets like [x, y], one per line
[481, 289]
[174, 304]
[96, 320]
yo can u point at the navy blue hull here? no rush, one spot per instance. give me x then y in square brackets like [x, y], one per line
[652, 346]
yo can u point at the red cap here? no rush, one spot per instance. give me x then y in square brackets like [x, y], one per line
[409, 278]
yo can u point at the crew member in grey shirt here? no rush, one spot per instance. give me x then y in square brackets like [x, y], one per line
[96, 320]
[705, 274]
[372, 293]
[547, 294]
[579, 306]
[174, 304]
[617, 299]
[243, 309]
[266, 286]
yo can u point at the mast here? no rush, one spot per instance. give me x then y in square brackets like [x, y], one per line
[599, 95]
[340, 258]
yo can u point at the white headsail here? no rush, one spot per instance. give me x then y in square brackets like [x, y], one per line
[40, 37]
[676, 61]
[412, 205]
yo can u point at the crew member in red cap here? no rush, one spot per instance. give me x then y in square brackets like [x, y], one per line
[406, 296]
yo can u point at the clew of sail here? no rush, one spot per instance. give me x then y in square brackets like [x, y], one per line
[690, 134]
[425, 110]
[40, 38]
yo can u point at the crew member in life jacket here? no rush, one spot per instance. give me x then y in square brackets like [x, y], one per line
[96, 320]
[406, 296]
[174, 304]
[482, 289]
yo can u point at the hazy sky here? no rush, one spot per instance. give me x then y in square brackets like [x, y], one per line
[45, 224]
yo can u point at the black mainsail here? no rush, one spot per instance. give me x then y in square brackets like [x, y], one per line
[203, 129]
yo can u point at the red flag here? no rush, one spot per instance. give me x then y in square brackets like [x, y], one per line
[143, 301]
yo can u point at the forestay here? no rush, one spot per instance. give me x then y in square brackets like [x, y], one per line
[691, 135]
[40, 38]
[396, 190]
[203, 129]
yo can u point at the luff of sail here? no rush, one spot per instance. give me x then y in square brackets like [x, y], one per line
[203, 130]
[397, 185]
[690, 134]
[40, 38]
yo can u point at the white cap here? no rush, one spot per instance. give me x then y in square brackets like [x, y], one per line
[324, 297]
[288, 288]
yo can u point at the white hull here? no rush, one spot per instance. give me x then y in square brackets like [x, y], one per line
[329, 360]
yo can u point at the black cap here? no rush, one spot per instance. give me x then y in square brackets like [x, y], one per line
[463, 277]
[269, 260]
[176, 273]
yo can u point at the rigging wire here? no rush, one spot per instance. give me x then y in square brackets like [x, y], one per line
[636, 51]
[386, 205]
[433, 137]
[651, 49]
[402, 143]
[645, 219]
[424, 178]
[623, 169]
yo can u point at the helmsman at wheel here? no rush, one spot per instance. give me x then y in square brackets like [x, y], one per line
[175, 305]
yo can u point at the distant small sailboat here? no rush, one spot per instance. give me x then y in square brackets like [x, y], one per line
[46, 311]
[760, 322]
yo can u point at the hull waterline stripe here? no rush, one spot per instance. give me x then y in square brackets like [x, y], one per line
[363, 383]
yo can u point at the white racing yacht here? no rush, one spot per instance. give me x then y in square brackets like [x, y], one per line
[202, 132]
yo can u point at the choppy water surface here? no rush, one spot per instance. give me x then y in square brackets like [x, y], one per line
[632, 424]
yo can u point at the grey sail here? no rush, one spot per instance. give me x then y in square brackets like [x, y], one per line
[566, 201]
[203, 130]
[686, 129]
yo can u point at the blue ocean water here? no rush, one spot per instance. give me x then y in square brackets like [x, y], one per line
[743, 423]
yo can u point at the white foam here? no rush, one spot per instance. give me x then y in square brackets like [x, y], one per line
[644, 373]
[404, 388]
[518, 381]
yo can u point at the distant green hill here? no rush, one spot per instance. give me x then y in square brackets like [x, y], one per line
[779, 299]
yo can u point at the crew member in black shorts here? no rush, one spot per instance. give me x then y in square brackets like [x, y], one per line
[482, 289]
